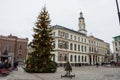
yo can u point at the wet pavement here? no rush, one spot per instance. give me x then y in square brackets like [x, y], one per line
[81, 73]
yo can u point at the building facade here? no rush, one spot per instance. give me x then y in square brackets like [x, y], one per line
[15, 46]
[78, 48]
[116, 48]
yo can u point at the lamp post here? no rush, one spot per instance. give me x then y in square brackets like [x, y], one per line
[118, 10]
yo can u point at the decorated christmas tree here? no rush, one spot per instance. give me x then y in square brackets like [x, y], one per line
[40, 59]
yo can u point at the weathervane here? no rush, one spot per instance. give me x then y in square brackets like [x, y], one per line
[118, 10]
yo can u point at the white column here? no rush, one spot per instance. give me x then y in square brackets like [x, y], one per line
[56, 43]
[92, 59]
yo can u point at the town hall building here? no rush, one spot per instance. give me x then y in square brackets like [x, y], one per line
[77, 47]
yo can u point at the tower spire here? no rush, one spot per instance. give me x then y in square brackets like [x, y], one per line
[81, 24]
[81, 15]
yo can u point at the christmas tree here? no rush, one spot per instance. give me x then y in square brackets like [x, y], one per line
[40, 59]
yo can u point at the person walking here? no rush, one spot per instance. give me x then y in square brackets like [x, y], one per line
[68, 68]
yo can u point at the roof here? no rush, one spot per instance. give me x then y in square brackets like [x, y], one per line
[96, 38]
[61, 27]
[117, 38]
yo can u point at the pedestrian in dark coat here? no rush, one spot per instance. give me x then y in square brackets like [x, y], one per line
[68, 68]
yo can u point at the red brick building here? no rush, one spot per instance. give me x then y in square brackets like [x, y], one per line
[14, 45]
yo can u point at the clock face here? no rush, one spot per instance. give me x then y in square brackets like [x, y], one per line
[82, 27]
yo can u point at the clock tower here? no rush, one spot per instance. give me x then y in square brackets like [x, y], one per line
[81, 24]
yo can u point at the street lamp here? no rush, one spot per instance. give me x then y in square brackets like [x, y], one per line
[118, 10]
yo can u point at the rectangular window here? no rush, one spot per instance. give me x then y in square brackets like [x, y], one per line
[75, 38]
[71, 37]
[20, 46]
[66, 45]
[78, 39]
[85, 40]
[61, 34]
[66, 35]
[89, 49]
[81, 39]
[60, 44]
[53, 34]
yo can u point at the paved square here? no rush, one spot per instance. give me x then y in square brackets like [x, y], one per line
[81, 73]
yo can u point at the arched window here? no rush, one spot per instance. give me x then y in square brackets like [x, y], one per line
[82, 58]
[92, 49]
[75, 47]
[82, 48]
[85, 49]
[85, 58]
[71, 58]
[78, 47]
[78, 58]
[71, 46]
[75, 58]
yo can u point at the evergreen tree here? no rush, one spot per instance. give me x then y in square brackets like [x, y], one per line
[40, 59]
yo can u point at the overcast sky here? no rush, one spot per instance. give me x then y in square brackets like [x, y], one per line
[18, 16]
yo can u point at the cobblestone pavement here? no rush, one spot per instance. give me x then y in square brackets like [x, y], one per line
[81, 73]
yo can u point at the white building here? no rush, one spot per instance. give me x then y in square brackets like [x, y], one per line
[77, 47]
